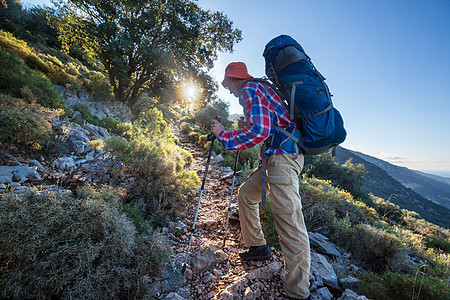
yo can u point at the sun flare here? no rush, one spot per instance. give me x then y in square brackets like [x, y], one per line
[190, 91]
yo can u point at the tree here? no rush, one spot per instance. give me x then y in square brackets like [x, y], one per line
[348, 176]
[146, 45]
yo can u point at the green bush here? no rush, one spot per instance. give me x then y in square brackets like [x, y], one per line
[15, 75]
[22, 128]
[57, 246]
[34, 62]
[349, 176]
[25, 123]
[66, 80]
[110, 124]
[394, 286]
[120, 147]
[185, 127]
[204, 116]
[268, 225]
[193, 136]
[437, 243]
[160, 166]
[99, 86]
[336, 214]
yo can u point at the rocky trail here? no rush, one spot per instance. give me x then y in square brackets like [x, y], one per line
[214, 269]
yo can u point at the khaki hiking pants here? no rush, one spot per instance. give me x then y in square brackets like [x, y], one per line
[282, 179]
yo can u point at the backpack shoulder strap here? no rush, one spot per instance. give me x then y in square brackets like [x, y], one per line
[266, 83]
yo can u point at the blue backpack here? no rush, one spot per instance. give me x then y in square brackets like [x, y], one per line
[308, 98]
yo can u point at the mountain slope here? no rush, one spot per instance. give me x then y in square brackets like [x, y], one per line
[442, 179]
[436, 191]
[381, 184]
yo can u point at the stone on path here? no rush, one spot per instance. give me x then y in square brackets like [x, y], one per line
[322, 244]
[322, 270]
[351, 295]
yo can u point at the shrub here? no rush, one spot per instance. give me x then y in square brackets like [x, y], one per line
[56, 246]
[72, 69]
[97, 144]
[349, 176]
[373, 248]
[268, 225]
[99, 86]
[394, 286]
[193, 136]
[438, 243]
[15, 75]
[185, 127]
[112, 125]
[124, 128]
[66, 80]
[203, 139]
[25, 123]
[160, 166]
[204, 116]
[185, 119]
[336, 214]
[120, 147]
[248, 159]
[9, 42]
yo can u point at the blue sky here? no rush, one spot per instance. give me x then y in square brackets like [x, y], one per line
[387, 64]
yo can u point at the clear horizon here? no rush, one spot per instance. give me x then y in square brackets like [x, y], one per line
[386, 63]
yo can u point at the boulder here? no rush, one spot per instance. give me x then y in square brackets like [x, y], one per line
[351, 295]
[205, 260]
[37, 164]
[96, 108]
[322, 270]
[64, 163]
[10, 174]
[349, 282]
[322, 244]
[217, 159]
[322, 294]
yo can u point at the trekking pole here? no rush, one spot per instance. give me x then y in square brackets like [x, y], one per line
[231, 193]
[231, 197]
[211, 138]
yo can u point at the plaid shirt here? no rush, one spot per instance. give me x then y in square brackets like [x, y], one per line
[262, 108]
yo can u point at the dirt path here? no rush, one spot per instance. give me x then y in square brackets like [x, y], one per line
[229, 277]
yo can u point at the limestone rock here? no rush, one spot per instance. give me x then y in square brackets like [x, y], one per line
[217, 159]
[322, 244]
[351, 295]
[37, 164]
[322, 294]
[10, 174]
[207, 259]
[349, 282]
[64, 163]
[323, 270]
[96, 108]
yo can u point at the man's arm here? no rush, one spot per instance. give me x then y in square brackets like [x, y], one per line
[259, 122]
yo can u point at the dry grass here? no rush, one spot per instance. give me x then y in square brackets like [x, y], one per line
[55, 246]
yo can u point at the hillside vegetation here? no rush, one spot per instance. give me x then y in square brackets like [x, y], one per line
[103, 240]
[381, 184]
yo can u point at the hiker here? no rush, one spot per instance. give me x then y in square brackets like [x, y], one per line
[263, 110]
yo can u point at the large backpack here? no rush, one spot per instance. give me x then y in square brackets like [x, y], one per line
[308, 99]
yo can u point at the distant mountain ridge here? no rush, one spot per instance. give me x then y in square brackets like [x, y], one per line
[381, 184]
[445, 180]
[425, 185]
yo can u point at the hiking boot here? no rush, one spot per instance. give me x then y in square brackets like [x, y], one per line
[256, 253]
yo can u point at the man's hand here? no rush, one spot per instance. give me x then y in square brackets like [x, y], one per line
[216, 128]
[241, 123]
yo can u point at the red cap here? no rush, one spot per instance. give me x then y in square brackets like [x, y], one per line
[236, 70]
